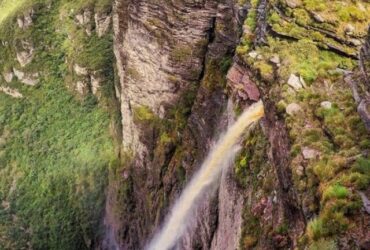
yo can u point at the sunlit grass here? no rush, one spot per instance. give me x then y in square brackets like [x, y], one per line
[9, 7]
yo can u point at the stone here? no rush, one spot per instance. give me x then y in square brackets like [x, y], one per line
[293, 3]
[252, 91]
[79, 70]
[253, 54]
[8, 76]
[25, 55]
[300, 170]
[102, 23]
[295, 82]
[82, 88]
[309, 153]
[19, 74]
[318, 17]
[12, 92]
[356, 42]
[293, 109]
[30, 80]
[275, 59]
[234, 75]
[349, 29]
[20, 22]
[326, 105]
[250, 88]
[95, 84]
[80, 19]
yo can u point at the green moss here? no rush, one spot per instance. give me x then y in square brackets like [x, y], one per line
[251, 159]
[143, 113]
[181, 53]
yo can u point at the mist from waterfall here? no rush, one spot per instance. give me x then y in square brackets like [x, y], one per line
[178, 219]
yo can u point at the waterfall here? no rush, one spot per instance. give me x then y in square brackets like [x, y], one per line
[178, 219]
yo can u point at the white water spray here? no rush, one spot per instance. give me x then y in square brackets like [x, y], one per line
[177, 222]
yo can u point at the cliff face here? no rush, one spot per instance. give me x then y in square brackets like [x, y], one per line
[172, 59]
[169, 60]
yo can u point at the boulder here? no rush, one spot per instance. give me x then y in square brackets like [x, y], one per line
[8, 76]
[19, 74]
[275, 59]
[293, 3]
[12, 92]
[293, 109]
[296, 82]
[79, 70]
[309, 153]
[318, 17]
[31, 80]
[300, 170]
[253, 54]
[28, 79]
[326, 105]
[235, 74]
[349, 29]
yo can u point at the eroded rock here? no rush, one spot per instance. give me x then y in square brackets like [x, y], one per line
[102, 23]
[25, 21]
[12, 92]
[8, 76]
[27, 78]
[82, 88]
[79, 70]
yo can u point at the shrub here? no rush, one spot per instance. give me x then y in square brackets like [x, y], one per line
[336, 191]
[315, 229]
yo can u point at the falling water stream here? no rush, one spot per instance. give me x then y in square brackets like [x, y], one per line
[178, 219]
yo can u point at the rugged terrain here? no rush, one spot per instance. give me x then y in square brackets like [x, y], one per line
[107, 109]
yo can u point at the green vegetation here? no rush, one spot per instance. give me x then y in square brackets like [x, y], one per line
[327, 181]
[55, 151]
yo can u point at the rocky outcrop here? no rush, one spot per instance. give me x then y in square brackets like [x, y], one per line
[166, 52]
[102, 23]
[30, 79]
[25, 53]
[12, 92]
[84, 19]
[24, 21]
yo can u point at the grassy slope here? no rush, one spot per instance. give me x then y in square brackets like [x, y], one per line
[337, 133]
[54, 150]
